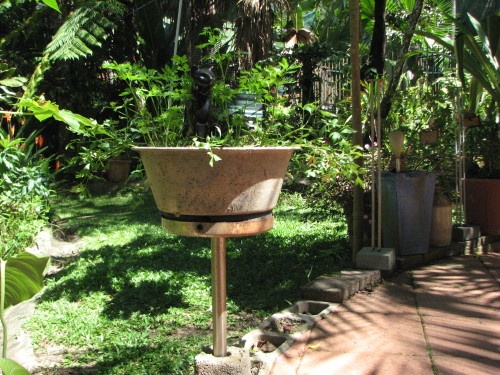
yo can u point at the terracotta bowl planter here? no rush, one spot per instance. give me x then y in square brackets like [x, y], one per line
[245, 182]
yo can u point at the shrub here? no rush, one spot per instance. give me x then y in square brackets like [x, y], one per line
[24, 192]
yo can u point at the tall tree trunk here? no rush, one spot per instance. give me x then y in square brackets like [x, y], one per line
[385, 106]
[377, 48]
[200, 14]
[357, 211]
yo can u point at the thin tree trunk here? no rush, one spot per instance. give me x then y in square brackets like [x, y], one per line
[385, 106]
[357, 225]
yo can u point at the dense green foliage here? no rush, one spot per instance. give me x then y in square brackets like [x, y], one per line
[24, 192]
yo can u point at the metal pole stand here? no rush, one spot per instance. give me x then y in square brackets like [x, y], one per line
[219, 314]
[218, 229]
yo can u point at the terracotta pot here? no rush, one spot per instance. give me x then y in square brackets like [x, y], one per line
[482, 204]
[245, 181]
[119, 170]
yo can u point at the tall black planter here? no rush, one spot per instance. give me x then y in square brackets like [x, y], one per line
[407, 211]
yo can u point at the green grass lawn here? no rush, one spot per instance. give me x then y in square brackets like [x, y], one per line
[137, 300]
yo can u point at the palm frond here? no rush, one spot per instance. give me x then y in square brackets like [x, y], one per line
[86, 28]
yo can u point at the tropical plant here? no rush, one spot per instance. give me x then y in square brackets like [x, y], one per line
[23, 197]
[432, 109]
[476, 52]
[8, 83]
[24, 191]
[254, 108]
[21, 277]
[154, 101]
[52, 4]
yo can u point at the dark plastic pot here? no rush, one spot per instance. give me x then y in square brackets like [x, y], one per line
[407, 200]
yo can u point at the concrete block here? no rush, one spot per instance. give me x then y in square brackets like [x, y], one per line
[462, 233]
[471, 246]
[43, 243]
[482, 240]
[264, 348]
[412, 261]
[287, 322]
[436, 253]
[330, 289]
[457, 248]
[262, 363]
[237, 362]
[366, 278]
[376, 259]
[316, 309]
[409, 262]
[266, 342]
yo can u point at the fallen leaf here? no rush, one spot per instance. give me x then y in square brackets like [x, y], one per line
[313, 346]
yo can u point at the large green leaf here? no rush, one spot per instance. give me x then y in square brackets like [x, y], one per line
[13, 82]
[44, 110]
[52, 4]
[24, 275]
[11, 367]
[298, 17]
[476, 53]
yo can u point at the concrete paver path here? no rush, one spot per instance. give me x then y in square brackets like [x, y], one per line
[439, 319]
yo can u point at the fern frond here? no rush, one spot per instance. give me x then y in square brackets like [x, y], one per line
[86, 28]
[36, 77]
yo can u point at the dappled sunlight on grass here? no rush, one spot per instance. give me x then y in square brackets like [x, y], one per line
[136, 291]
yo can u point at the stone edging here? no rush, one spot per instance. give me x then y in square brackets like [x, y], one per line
[322, 296]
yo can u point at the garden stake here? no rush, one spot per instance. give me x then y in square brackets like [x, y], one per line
[376, 257]
[460, 160]
[376, 133]
[177, 27]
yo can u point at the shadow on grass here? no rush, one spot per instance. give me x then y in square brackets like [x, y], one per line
[111, 269]
[164, 358]
[155, 271]
[263, 271]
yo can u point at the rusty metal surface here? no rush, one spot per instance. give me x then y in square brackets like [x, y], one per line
[220, 229]
[245, 180]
